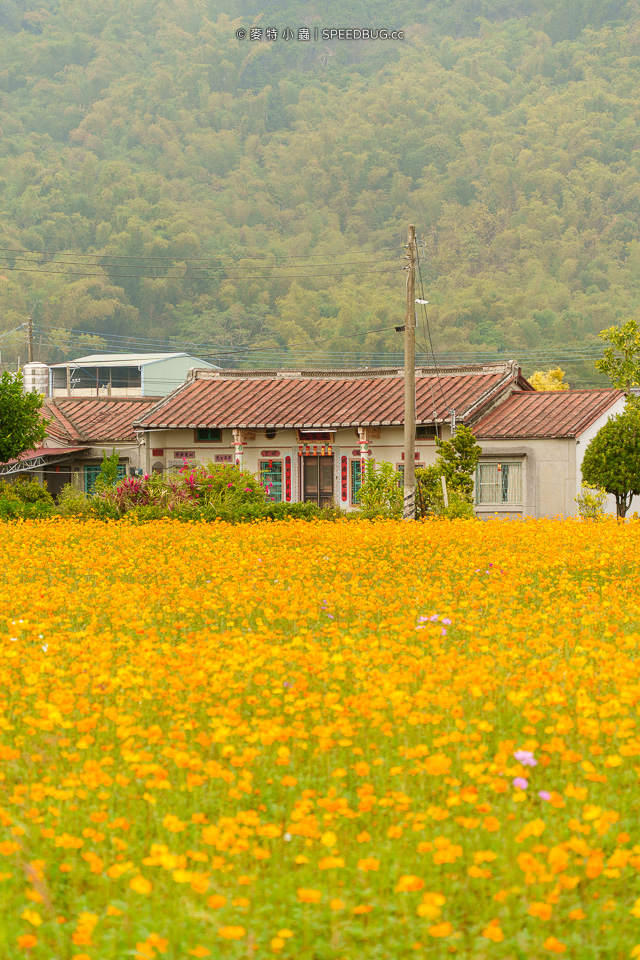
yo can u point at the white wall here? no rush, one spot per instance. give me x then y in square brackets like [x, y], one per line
[583, 442]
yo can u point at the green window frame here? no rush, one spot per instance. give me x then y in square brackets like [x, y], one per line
[92, 471]
[355, 480]
[208, 435]
[270, 472]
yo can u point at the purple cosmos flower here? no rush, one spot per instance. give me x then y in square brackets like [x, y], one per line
[544, 794]
[520, 783]
[526, 758]
[446, 620]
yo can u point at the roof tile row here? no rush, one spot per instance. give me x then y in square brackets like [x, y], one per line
[546, 415]
[319, 402]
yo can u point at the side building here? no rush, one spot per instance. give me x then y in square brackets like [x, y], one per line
[80, 431]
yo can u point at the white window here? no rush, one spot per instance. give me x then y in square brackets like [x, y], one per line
[499, 483]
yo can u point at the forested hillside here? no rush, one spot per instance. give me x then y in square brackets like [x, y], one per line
[162, 180]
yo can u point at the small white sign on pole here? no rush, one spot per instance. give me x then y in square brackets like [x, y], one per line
[444, 491]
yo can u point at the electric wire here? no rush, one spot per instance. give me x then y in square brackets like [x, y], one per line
[223, 256]
[248, 276]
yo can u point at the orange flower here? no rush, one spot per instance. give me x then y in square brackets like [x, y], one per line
[216, 901]
[441, 930]
[553, 945]
[27, 941]
[231, 933]
[141, 885]
[541, 910]
[409, 882]
[493, 932]
[309, 896]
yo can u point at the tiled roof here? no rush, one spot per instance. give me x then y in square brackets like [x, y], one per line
[326, 401]
[95, 418]
[549, 414]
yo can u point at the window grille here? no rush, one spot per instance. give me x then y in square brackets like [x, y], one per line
[271, 473]
[356, 479]
[91, 475]
[499, 483]
[400, 470]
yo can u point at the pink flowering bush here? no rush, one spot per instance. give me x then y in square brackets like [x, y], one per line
[189, 490]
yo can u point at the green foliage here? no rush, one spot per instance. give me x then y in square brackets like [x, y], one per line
[458, 509]
[25, 499]
[25, 490]
[21, 424]
[108, 475]
[612, 459]
[429, 496]
[457, 462]
[621, 361]
[591, 501]
[73, 502]
[148, 130]
[380, 494]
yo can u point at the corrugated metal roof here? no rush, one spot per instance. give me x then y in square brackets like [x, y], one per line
[44, 452]
[546, 415]
[280, 401]
[117, 360]
[95, 418]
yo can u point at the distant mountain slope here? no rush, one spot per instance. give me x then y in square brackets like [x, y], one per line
[507, 133]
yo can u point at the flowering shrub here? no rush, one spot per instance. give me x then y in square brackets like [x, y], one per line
[186, 491]
[340, 740]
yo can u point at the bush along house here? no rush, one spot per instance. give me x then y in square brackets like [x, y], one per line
[309, 434]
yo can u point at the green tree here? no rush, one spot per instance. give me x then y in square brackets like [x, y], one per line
[22, 426]
[621, 361]
[612, 459]
[108, 476]
[380, 493]
[457, 461]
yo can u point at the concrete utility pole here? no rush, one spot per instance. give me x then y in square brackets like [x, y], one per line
[409, 509]
[30, 337]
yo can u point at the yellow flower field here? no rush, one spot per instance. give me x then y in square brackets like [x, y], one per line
[353, 740]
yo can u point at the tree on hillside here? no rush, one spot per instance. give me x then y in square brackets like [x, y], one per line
[621, 361]
[21, 424]
[612, 459]
[552, 380]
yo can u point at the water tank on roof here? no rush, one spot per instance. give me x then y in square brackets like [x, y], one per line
[36, 378]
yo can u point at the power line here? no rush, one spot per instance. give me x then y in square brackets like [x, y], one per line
[148, 276]
[234, 256]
